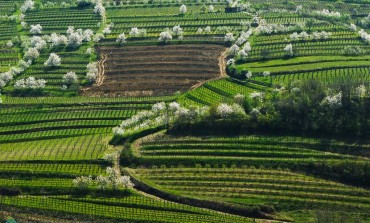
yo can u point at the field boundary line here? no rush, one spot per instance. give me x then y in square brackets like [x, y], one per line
[222, 65]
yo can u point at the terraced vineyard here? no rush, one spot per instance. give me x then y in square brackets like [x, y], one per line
[62, 19]
[184, 111]
[285, 190]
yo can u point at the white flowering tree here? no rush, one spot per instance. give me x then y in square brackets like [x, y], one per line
[92, 71]
[364, 36]
[90, 51]
[121, 39]
[289, 50]
[227, 111]
[27, 6]
[233, 50]
[249, 75]
[82, 182]
[9, 44]
[239, 98]
[230, 62]
[36, 29]
[38, 43]
[107, 30]
[53, 60]
[58, 40]
[165, 36]
[87, 35]
[360, 91]
[207, 29]
[211, 9]
[31, 54]
[30, 83]
[333, 101]
[229, 38]
[183, 9]
[199, 30]
[134, 32]
[75, 40]
[177, 31]
[70, 78]
[99, 9]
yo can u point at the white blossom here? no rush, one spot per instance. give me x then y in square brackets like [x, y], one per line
[30, 83]
[89, 51]
[58, 40]
[333, 101]
[249, 74]
[31, 54]
[82, 182]
[75, 40]
[165, 36]
[256, 95]
[87, 35]
[229, 37]
[125, 182]
[207, 29]
[121, 39]
[174, 107]
[239, 98]
[289, 49]
[53, 60]
[361, 91]
[364, 36]
[233, 50]
[9, 44]
[134, 32]
[230, 62]
[38, 43]
[99, 9]
[327, 13]
[102, 182]
[107, 30]
[70, 78]
[266, 73]
[211, 8]
[27, 6]
[36, 29]
[92, 71]
[183, 9]
[24, 25]
[177, 30]
[224, 110]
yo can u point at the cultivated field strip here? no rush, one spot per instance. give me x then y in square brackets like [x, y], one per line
[156, 70]
[90, 147]
[58, 20]
[9, 56]
[8, 167]
[218, 91]
[253, 150]
[135, 208]
[62, 120]
[257, 186]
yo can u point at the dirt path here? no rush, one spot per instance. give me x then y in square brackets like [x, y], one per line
[222, 65]
[101, 74]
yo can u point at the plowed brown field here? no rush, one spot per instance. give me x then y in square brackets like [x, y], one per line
[155, 70]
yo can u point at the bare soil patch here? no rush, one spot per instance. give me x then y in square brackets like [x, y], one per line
[154, 70]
